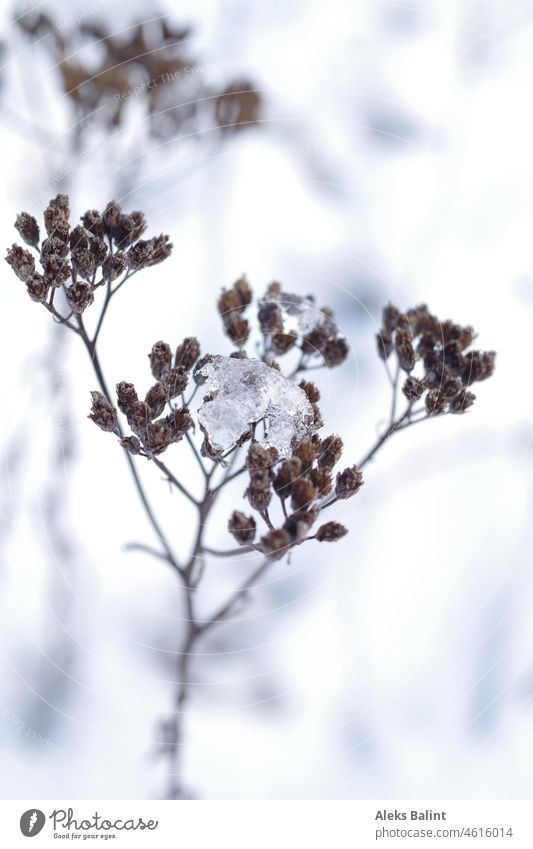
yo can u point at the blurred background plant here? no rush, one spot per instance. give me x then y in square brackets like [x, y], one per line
[391, 162]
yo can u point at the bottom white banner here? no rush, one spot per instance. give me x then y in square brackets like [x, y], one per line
[260, 825]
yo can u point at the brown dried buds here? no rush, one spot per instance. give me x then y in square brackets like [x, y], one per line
[153, 432]
[107, 243]
[447, 367]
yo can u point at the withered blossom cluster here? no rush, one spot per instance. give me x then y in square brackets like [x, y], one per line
[153, 433]
[287, 493]
[287, 487]
[303, 481]
[441, 353]
[321, 342]
[149, 60]
[78, 260]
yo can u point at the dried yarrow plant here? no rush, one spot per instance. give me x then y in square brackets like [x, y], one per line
[250, 413]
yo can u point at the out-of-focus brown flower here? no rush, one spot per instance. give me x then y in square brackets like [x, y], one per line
[150, 61]
[331, 532]
[242, 527]
[275, 544]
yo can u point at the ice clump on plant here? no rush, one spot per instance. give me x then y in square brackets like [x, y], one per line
[248, 391]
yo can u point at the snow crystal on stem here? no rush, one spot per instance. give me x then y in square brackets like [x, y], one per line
[248, 391]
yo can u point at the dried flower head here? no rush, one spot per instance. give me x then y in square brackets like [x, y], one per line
[312, 392]
[156, 398]
[102, 412]
[21, 261]
[258, 457]
[348, 482]
[303, 493]
[28, 229]
[413, 388]
[160, 360]
[77, 259]
[258, 492]
[79, 296]
[131, 444]
[331, 532]
[288, 472]
[275, 544]
[462, 401]
[38, 288]
[242, 527]
[270, 318]
[322, 480]
[231, 304]
[299, 523]
[147, 252]
[330, 452]
[187, 353]
[440, 348]
[126, 397]
[114, 266]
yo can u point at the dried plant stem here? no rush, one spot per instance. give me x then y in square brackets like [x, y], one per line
[149, 512]
[232, 552]
[196, 629]
[172, 479]
[400, 423]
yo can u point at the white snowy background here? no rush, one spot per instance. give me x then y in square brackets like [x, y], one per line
[393, 161]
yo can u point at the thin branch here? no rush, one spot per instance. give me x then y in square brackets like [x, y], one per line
[227, 607]
[91, 350]
[232, 552]
[394, 394]
[191, 396]
[402, 423]
[107, 301]
[330, 502]
[195, 451]
[60, 319]
[174, 481]
[147, 549]
[300, 366]
[230, 478]
[126, 277]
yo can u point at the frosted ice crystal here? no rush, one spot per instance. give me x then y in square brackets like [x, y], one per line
[248, 391]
